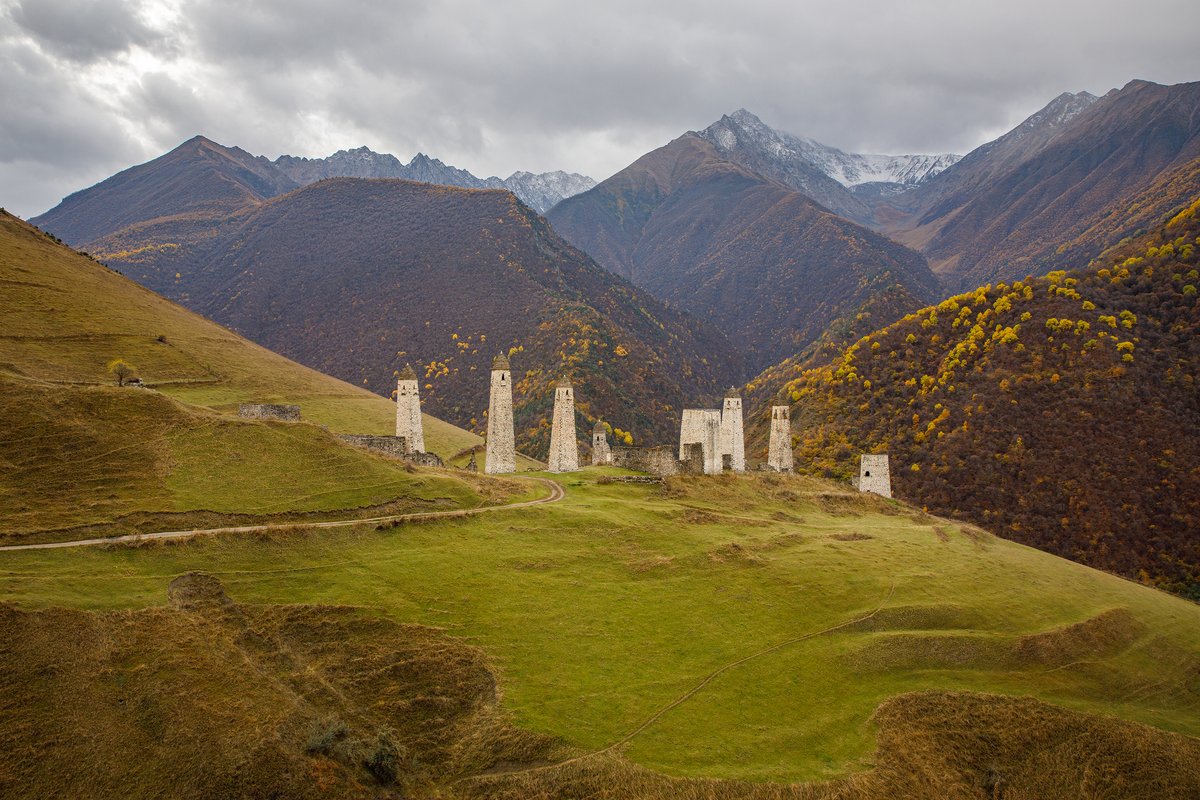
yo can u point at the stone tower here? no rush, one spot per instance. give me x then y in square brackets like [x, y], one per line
[564, 449]
[408, 410]
[779, 452]
[732, 441]
[874, 475]
[702, 426]
[601, 454]
[501, 456]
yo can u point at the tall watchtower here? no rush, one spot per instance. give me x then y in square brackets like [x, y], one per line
[779, 451]
[732, 437]
[501, 456]
[408, 410]
[564, 449]
[601, 453]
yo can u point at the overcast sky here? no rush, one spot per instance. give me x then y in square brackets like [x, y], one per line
[90, 87]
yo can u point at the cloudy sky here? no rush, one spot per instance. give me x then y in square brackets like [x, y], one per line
[92, 86]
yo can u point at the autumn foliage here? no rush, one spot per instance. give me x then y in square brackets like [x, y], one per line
[1058, 411]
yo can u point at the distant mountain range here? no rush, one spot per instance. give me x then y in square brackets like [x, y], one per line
[358, 277]
[1057, 189]
[538, 191]
[789, 247]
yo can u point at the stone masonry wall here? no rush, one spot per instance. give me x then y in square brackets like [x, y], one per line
[655, 460]
[269, 411]
[395, 446]
[389, 445]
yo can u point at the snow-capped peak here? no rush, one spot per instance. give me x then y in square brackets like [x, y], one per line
[742, 129]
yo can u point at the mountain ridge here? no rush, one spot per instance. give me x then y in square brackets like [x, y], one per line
[769, 265]
[539, 191]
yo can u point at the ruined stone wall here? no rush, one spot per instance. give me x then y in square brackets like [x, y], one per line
[655, 460]
[874, 475]
[733, 441]
[269, 411]
[395, 446]
[408, 414]
[501, 456]
[426, 459]
[779, 450]
[388, 445]
[564, 448]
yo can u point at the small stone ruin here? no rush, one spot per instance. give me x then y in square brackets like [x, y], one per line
[274, 411]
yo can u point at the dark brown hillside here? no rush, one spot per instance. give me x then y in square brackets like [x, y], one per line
[1060, 411]
[200, 178]
[765, 263]
[357, 278]
[1058, 194]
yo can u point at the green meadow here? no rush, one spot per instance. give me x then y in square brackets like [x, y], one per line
[600, 610]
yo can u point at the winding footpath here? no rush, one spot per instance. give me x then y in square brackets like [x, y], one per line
[556, 494]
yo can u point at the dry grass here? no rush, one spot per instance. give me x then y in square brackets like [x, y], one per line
[944, 745]
[208, 698]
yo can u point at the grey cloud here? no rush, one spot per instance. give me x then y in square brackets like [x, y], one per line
[495, 87]
[82, 30]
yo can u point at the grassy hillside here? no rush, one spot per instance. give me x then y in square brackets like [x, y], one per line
[779, 624]
[78, 453]
[1059, 411]
[67, 318]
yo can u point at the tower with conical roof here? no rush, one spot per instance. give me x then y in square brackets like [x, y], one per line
[501, 455]
[408, 410]
[732, 439]
[779, 450]
[601, 452]
[564, 449]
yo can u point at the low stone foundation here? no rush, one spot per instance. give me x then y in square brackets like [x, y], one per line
[426, 459]
[394, 446]
[269, 411]
[388, 445]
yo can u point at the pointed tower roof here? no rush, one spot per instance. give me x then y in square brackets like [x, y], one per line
[500, 362]
[598, 427]
[564, 382]
[407, 374]
[733, 393]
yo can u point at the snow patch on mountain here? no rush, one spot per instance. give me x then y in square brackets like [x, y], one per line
[538, 191]
[742, 129]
